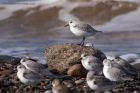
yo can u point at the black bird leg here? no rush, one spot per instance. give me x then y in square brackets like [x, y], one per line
[82, 42]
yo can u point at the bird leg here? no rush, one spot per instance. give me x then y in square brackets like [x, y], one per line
[82, 42]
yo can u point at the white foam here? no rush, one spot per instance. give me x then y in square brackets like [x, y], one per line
[66, 15]
[130, 57]
[125, 22]
[135, 1]
[9, 9]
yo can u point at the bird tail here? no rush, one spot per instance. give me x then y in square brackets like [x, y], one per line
[99, 31]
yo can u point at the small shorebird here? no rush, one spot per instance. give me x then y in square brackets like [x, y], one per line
[81, 29]
[114, 72]
[91, 63]
[59, 87]
[28, 77]
[99, 83]
[126, 65]
[34, 66]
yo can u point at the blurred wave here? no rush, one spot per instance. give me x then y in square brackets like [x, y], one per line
[29, 26]
[41, 19]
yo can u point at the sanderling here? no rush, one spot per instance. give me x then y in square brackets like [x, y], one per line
[59, 87]
[126, 65]
[38, 68]
[81, 29]
[114, 72]
[28, 77]
[34, 66]
[91, 63]
[99, 83]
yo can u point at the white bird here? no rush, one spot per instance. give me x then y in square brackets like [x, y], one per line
[114, 72]
[98, 83]
[91, 63]
[28, 77]
[81, 29]
[36, 67]
[125, 64]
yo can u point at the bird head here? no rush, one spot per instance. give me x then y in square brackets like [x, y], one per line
[19, 67]
[56, 82]
[26, 58]
[23, 60]
[90, 75]
[72, 23]
[107, 62]
[84, 54]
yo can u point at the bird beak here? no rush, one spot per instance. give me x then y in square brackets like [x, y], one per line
[66, 25]
[80, 58]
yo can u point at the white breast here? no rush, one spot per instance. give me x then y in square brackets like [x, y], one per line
[105, 71]
[92, 85]
[107, 75]
[21, 78]
[77, 32]
[86, 64]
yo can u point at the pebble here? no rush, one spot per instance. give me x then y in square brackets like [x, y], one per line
[80, 81]
[76, 70]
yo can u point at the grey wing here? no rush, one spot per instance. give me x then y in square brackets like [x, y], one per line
[88, 28]
[96, 64]
[120, 72]
[101, 80]
[36, 66]
[31, 75]
[131, 68]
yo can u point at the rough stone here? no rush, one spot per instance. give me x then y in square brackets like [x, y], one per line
[76, 70]
[62, 56]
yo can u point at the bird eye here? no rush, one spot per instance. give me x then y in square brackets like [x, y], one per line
[85, 54]
[70, 21]
[23, 60]
[95, 82]
[20, 67]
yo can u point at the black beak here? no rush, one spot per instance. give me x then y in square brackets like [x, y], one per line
[80, 58]
[66, 25]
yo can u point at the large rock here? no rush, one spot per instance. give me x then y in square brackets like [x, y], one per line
[62, 56]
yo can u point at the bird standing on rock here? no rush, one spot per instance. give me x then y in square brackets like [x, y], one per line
[114, 72]
[81, 29]
[98, 83]
[91, 63]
